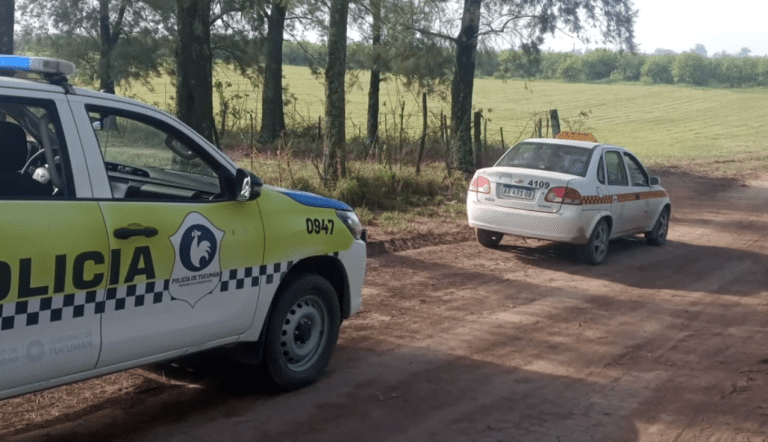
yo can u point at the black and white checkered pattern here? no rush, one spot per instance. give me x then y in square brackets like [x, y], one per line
[237, 279]
[38, 311]
[47, 310]
[136, 295]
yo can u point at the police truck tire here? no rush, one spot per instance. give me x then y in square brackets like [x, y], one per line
[488, 238]
[595, 251]
[302, 332]
[658, 236]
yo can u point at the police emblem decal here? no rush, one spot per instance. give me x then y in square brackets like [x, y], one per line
[196, 269]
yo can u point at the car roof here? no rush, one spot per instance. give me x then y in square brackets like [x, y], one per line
[575, 143]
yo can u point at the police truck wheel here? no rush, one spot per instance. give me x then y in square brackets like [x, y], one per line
[595, 251]
[658, 236]
[302, 332]
[487, 238]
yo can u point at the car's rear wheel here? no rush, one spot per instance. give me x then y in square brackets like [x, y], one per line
[658, 236]
[302, 332]
[596, 250]
[488, 238]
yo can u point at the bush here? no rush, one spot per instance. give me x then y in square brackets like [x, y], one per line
[658, 69]
[599, 64]
[690, 69]
[628, 67]
[570, 70]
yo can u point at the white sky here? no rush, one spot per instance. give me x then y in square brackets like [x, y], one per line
[680, 24]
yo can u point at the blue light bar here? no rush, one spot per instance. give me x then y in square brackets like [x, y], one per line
[15, 63]
[39, 65]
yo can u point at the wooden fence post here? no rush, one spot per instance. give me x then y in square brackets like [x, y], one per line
[555, 122]
[478, 141]
[423, 143]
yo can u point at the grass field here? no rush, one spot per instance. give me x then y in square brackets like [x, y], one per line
[664, 125]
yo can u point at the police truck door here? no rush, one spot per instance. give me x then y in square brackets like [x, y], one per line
[185, 256]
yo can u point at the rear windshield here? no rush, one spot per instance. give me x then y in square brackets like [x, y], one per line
[561, 158]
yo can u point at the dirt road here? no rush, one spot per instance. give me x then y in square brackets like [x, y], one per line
[461, 343]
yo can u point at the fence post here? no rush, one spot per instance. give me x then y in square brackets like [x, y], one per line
[501, 131]
[423, 143]
[555, 122]
[478, 141]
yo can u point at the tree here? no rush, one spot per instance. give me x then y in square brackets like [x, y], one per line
[334, 144]
[109, 36]
[691, 69]
[658, 69]
[195, 66]
[126, 34]
[375, 80]
[272, 114]
[527, 21]
[7, 8]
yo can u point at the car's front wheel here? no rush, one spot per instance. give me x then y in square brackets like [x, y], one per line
[302, 332]
[488, 238]
[595, 251]
[658, 236]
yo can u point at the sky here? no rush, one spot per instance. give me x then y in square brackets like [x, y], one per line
[680, 24]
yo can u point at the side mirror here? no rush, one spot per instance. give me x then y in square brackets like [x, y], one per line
[247, 185]
[655, 181]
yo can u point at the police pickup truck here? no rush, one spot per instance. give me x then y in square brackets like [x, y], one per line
[126, 238]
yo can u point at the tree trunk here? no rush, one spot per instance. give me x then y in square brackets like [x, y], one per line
[106, 82]
[462, 86]
[334, 146]
[423, 142]
[7, 8]
[194, 89]
[373, 91]
[272, 114]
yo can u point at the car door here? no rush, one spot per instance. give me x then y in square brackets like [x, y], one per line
[185, 259]
[639, 210]
[618, 189]
[54, 246]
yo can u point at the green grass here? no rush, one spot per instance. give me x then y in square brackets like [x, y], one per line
[662, 124]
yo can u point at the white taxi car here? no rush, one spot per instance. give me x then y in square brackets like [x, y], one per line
[128, 239]
[568, 190]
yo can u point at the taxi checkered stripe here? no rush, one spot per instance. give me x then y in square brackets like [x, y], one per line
[623, 197]
[38, 311]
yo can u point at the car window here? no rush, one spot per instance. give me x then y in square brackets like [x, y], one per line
[637, 174]
[560, 158]
[601, 171]
[617, 174]
[146, 159]
[31, 139]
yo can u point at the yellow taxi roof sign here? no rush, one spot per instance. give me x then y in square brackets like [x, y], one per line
[578, 136]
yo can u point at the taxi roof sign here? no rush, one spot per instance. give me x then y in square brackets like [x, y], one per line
[576, 136]
[45, 66]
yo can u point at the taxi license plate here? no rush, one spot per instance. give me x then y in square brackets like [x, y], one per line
[517, 192]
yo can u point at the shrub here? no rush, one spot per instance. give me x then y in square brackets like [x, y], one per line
[598, 64]
[658, 69]
[690, 69]
[570, 70]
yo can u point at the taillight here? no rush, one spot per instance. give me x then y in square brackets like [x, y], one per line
[480, 184]
[564, 195]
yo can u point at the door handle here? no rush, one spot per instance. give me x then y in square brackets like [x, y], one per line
[128, 232]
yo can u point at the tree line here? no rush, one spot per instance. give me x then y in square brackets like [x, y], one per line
[429, 43]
